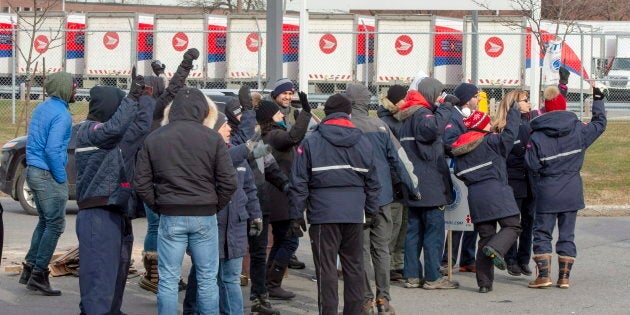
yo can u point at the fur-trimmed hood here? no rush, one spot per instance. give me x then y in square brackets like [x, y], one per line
[467, 142]
[209, 121]
[387, 104]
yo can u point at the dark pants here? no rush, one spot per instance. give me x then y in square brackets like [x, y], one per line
[1, 232]
[501, 242]
[283, 247]
[425, 233]
[105, 243]
[345, 240]
[376, 257]
[468, 242]
[50, 198]
[543, 230]
[258, 261]
[521, 252]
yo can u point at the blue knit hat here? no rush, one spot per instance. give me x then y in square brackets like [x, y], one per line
[465, 91]
[281, 86]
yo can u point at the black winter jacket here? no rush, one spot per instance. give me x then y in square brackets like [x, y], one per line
[518, 174]
[163, 98]
[555, 153]
[183, 168]
[332, 177]
[480, 164]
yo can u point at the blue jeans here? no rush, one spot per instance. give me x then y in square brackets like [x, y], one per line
[229, 282]
[543, 230]
[153, 222]
[200, 235]
[425, 231]
[50, 199]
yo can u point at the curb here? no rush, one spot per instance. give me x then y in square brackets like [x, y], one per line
[605, 211]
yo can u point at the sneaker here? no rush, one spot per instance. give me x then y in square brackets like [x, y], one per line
[468, 268]
[495, 256]
[412, 283]
[514, 270]
[441, 283]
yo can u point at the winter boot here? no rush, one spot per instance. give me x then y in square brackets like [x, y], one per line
[384, 308]
[149, 281]
[39, 282]
[543, 264]
[368, 307]
[495, 256]
[295, 263]
[275, 273]
[262, 306]
[26, 273]
[565, 263]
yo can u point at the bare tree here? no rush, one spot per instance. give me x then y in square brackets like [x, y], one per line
[237, 6]
[30, 24]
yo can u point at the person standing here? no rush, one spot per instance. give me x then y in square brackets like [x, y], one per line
[386, 151]
[480, 163]
[187, 188]
[336, 182]
[46, 157]
[105, 148]
[555, 153]
[421, 137]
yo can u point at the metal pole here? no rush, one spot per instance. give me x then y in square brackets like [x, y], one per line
[367, 55]
[13, 94]
[274, 42]
[534, 83]
[259, 74]
[474, 45]
[302, 75]
[582, 78]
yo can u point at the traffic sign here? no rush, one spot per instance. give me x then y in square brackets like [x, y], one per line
[403, 45]
[328, 43]
[111, 40]
[180, 41]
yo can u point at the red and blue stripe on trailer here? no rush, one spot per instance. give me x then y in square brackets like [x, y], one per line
[447, 46]
[145, 41]
[569, 59]
[217, 42]
[361, 49]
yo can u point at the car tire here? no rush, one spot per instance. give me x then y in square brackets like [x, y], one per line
[24, 194]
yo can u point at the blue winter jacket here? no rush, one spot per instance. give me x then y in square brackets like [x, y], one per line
[101, 154]
[48, 136]
[333, 175]
[555, 153]
[480, 163]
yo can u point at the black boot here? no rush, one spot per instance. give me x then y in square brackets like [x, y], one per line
[295, 263]
[26, 273]
[275, 274]
[39, 282]
[262, 306]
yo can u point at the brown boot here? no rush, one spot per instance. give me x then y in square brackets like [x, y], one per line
[275, 274]
[543, 264]
[150, 278]
[565, 263]
[384, 308]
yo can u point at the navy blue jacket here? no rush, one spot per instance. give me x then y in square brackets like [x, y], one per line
[555, 153]
[421, 137]
[102, 157]
[480, 163]
[386, 114]
[518, 174]
[453, 129]
[332, 176]
[232, 220]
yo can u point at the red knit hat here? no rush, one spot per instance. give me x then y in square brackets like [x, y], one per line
[477, 120]
[554, 100]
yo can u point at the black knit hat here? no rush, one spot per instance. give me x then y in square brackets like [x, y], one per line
[337, 104]
[234, 106]
[265, 111]
[396, 93]
[465, 91]
[221, 120]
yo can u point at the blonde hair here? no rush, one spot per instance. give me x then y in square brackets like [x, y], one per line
[499, 118]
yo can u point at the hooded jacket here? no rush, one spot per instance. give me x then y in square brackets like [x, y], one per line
[102, 158]
[421, 137]
[50, 128]
[183, 168]
[390, 158]
[332, 177]
[163, 97]
[555, 154]
[282, 143]
[386, 112]
[480, 163]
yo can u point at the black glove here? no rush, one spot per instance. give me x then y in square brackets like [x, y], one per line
[245, 98]
[255, 227]
[191, 54]
[304, 101]
[564, 75]
[371, 220]
[398, 191]
[158, 67]
[597, 94]
[136, 88]
[285, 188]
[450, 98]
[296, 226]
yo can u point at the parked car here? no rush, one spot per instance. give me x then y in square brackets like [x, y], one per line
[13, 162]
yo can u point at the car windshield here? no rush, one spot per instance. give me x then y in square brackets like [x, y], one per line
[621, 64]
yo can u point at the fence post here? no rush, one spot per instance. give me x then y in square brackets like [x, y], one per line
[581, 74]
[13, 51]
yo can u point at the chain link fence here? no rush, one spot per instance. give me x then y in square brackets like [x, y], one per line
[102, 48]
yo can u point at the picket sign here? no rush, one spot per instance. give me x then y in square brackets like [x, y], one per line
[457, 214]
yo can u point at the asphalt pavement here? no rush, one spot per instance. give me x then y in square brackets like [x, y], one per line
[600, 281]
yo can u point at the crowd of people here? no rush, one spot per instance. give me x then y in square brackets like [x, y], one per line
[215, 181]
